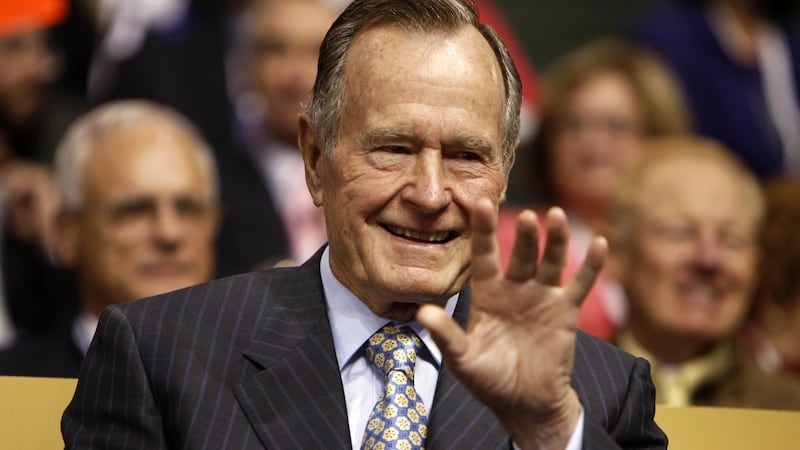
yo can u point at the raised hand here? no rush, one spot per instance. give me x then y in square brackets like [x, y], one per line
[517, 353]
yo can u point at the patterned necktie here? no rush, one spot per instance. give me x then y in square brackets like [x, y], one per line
[399, 419]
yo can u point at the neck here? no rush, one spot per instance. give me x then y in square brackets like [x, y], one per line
[666, 347]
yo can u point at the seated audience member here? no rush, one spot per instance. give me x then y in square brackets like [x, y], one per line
[773, 331]
[600, 102]
[738, 62]
[137, 217]
[407, 141]
[685, 227]
[172, 52]
[33, 115]
[274, 63]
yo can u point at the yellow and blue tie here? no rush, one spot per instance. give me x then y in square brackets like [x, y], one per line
[399, 419]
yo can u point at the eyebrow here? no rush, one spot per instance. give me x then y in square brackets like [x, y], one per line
[471, 142]
[382, 136]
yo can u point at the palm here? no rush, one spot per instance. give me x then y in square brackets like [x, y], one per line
[516, 356]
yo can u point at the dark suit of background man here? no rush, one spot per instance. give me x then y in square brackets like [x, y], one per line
[407, 142]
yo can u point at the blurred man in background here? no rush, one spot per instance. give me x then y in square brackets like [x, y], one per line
[686, 223]
[138, 216]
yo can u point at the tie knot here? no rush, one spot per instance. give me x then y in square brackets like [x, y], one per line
[393, 348]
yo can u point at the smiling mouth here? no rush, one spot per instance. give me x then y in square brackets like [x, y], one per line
[436, 237]
[701, 293]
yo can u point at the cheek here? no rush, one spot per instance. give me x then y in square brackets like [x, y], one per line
[268, 76]
[490, 186]
[105, 263]
[626, 149]
[651, 275]
[744, 270]
[562, 154]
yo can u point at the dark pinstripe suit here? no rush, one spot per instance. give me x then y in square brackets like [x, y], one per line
[248, 362]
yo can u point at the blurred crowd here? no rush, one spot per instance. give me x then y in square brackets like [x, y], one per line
[150, 145]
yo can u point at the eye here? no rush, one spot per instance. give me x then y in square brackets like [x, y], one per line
[270, 47]
[674, 233]
[735, 241]
[131, 210]
[190, 207]
[467, 156]
[396, 149]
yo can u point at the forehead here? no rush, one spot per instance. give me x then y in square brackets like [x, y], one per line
[606, 86]
[144, 156]
[292, 19]
[388, 64]
[700, 188]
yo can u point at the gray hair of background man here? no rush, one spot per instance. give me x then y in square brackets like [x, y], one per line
[445, 16]
[77, 145]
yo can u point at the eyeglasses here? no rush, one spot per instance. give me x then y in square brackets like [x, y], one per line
[135, 217]
[688, 235]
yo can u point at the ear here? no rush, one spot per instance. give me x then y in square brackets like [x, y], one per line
[66, 238]
[313, 159]
[508, 175]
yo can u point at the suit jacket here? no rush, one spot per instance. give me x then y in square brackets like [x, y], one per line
[745, 385]
[248, 362]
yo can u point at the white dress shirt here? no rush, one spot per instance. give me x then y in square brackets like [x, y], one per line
[83, 329]
[352, 323]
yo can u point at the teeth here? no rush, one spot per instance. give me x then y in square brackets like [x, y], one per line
[438, 236]
[699, 290]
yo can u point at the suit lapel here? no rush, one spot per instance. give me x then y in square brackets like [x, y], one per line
[296, 400]
[457, 419]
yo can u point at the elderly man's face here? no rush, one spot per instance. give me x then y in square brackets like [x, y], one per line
[147, 225]
[692, 260]
[420, 143]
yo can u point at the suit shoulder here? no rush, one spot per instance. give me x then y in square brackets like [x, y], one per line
[232, 289]
[589, 348]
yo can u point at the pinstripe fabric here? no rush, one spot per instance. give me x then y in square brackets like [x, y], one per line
[241, 363]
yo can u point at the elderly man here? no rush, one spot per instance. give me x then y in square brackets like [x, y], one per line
[407, 143]
[138, 214]
[687, 218]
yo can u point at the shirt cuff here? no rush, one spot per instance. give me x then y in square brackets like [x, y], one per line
[575, 441]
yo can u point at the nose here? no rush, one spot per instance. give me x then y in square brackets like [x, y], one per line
[707, 255]
[168, 230]
[428, 190]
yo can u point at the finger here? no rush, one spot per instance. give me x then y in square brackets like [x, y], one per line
[451, 338]
[555, 250]
[525, 255]
[485, 252]
[577, 288]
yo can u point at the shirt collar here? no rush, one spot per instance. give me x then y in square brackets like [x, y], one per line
[352, 322]
[83, 329]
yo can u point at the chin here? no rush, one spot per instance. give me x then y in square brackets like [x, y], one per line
[419, 289]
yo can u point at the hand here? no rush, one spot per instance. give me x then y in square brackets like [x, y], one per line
[516, 356]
